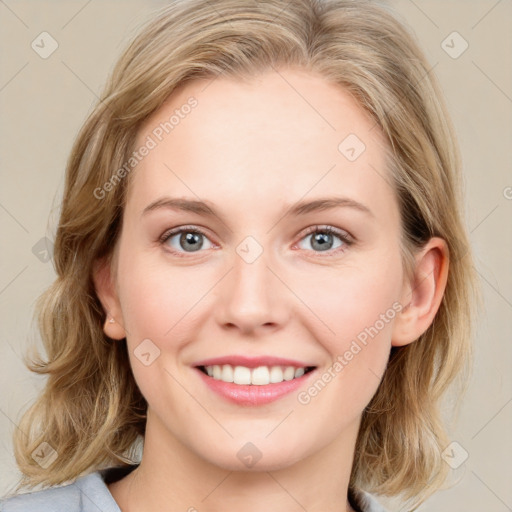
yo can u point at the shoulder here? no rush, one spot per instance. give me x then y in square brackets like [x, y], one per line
[87, 494]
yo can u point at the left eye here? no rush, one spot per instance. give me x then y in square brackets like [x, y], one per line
[322, 239]
[189, 240]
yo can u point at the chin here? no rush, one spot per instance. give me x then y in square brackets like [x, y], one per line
[252, 458]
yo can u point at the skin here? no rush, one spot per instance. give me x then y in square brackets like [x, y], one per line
[252, 150]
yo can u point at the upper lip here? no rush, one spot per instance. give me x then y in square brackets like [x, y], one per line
[252, 362]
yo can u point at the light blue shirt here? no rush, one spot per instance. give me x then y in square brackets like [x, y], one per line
[90, 493]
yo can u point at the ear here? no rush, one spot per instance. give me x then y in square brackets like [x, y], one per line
[106, 291]
[422, 294]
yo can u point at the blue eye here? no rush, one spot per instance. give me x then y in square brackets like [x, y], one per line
[191, 239]
[322, 239]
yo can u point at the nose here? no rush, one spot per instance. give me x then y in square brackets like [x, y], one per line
[252, 298]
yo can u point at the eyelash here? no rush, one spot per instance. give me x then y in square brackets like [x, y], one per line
[343, 236]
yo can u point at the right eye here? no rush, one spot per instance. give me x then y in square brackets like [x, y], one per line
[190, 240]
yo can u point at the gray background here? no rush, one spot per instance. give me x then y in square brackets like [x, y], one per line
[43, 103]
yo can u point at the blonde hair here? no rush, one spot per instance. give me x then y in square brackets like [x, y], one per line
[91, 410]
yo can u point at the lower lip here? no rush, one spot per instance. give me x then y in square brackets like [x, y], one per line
[243, 394]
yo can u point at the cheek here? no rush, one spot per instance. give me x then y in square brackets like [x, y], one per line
[357, 309]
[159, 298]
[159, 303]
[352, 300]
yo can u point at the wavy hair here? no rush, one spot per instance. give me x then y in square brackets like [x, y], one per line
[91, 411]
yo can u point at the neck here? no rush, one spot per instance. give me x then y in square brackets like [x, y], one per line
[173, 478]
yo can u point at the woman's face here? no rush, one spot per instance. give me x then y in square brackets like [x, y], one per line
[258, 160]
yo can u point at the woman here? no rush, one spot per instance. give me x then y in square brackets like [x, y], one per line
[261, 259]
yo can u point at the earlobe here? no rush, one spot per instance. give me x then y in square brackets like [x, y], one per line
[105, 289]
[423, 294]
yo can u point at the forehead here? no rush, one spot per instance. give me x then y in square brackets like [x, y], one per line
[282, 135]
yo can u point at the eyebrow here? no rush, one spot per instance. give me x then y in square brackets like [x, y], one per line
[297, 209]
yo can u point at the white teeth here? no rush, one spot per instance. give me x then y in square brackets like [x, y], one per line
[242, 375]
[217, 372]
[289, 373]
[227, 373]
[276, 374]
[260, 376]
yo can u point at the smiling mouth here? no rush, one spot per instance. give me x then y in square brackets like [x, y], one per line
[259, 376]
